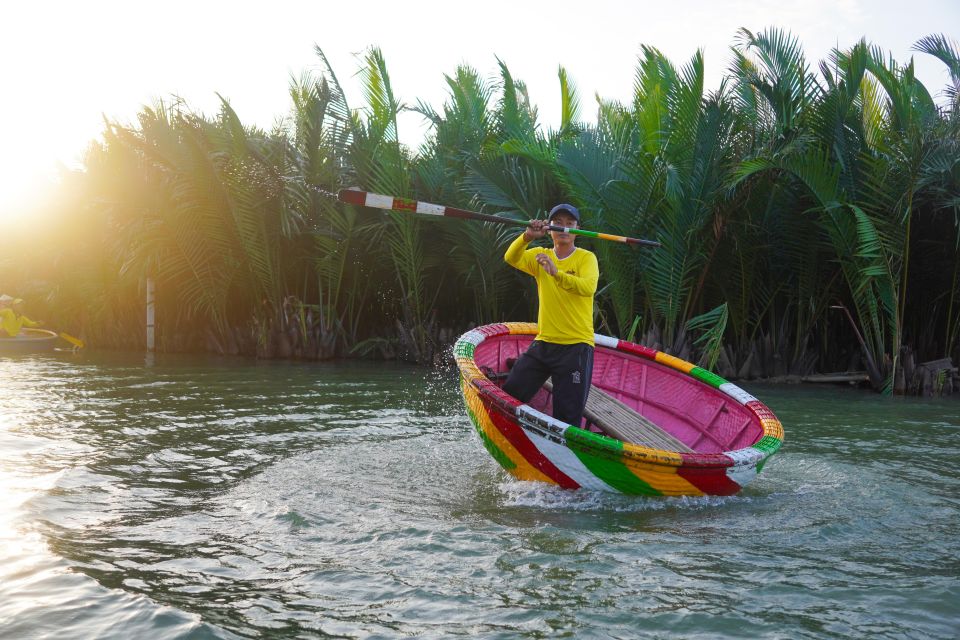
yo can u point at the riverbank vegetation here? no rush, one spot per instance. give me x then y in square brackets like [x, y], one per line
[809, 215]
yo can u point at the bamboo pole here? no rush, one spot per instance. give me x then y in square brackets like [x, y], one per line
[151, 326]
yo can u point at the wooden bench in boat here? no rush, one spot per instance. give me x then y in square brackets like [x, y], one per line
[620, 421]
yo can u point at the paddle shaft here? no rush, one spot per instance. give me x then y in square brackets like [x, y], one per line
[390, 203]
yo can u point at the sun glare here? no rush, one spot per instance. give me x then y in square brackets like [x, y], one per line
[19, 480]
[25, 187]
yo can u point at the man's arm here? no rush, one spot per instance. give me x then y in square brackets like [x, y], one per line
[586, 283]
[8, 323]
[517, 255]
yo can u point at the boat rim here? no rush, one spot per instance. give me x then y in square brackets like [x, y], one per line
[767, 445]
[42, 335]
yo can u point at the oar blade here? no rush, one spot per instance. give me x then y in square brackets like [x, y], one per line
[77, 342]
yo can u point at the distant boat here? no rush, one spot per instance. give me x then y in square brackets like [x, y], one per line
[654, 424]
[28, 341]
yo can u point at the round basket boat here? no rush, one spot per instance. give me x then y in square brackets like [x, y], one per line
[654, 425]
[28, 341]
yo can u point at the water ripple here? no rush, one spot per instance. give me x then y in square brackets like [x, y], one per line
[202, 498]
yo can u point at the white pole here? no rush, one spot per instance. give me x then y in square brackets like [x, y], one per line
[150, 316]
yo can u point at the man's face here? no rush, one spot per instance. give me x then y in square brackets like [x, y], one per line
[564, 219]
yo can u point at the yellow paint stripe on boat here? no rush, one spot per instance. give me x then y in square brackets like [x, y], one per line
[772, 428]
[522, 328]
[676, 363]
[468, 369]
[524, 470]
[665, 480]
[658, 468]
[634, 453]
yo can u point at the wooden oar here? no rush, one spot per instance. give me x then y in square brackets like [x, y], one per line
[77, 342]
[390, 203]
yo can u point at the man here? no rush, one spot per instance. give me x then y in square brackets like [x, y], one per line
[10, 320]
[563, 349]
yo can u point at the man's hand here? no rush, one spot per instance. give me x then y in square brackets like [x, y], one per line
[536, 229]
[548, 265]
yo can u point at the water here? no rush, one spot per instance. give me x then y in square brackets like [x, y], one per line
[200, 498]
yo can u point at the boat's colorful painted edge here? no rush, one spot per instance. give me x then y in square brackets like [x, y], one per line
[28, 341]
[533, 446]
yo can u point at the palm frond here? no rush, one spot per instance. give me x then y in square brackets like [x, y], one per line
[569, 102]
[711, 325]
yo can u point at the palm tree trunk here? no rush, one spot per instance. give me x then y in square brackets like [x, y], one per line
[899, 388]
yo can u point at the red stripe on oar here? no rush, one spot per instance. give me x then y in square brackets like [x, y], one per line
[515, 435]
[350, 196]
[453, 212]
[401, 204]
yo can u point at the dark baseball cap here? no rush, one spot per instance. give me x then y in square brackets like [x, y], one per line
[564, 208]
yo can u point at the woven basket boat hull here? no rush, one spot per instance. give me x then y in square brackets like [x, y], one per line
[728, 435]
[28, 341]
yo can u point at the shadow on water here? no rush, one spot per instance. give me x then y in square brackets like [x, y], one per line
[230, 498]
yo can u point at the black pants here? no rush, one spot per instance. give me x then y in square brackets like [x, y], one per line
[570, 366]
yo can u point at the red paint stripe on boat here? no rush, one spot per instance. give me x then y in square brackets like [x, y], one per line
[760, 410]
[494, 330]
[636, 349]
[491, 390]
[706, 460]
[515, 435]
[708, 473]
[712, 481]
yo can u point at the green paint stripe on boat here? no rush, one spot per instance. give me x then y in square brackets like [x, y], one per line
[768, 444]
[592, 440]
[464, 349]
[598, 455]
[495, 451]
[703, 375]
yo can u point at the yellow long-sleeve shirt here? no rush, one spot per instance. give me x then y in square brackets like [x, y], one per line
[11, 323]
[565, 314]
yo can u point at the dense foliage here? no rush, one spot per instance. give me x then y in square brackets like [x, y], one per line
[810, 219]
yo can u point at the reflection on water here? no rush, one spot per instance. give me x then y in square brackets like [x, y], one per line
[41, 593]
[206, 498]
[23, 552]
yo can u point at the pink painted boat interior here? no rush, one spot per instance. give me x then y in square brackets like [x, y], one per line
[705, 419]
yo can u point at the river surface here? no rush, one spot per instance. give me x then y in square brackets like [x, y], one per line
[205, 498]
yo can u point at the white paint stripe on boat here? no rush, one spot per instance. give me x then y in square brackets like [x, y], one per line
[742, 475]
[745, 457]
[736, 393]
[605, 341]
[568, 462]
[473, 337]
[378, 201]
[432, 209]
[542, 417]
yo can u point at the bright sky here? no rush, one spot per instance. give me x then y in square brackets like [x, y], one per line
[67, 65]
